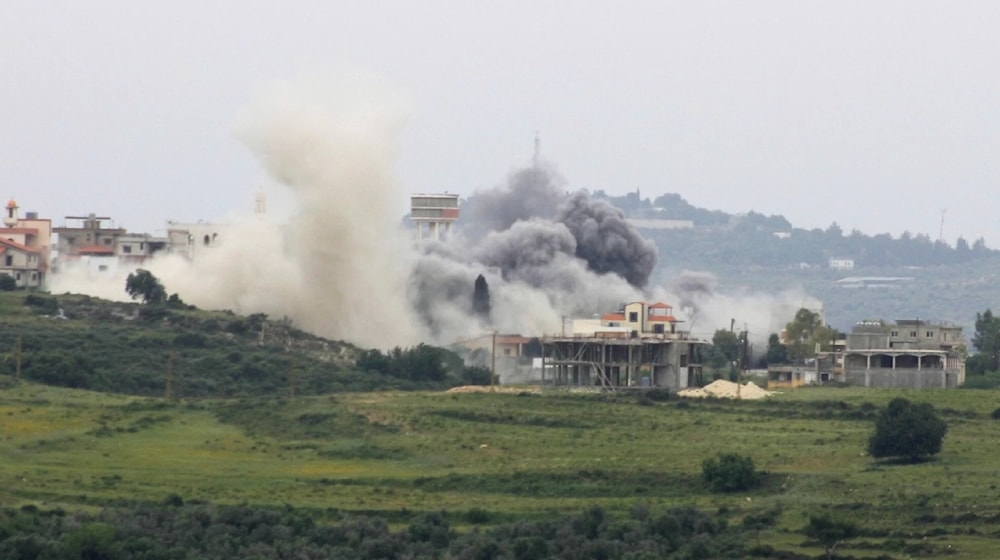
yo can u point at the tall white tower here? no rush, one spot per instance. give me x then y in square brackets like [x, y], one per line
[433, 214]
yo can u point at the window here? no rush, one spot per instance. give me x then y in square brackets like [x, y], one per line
[913, 334]
[126, 248]
[102, 268]
[34, 276]
[658, 328]
[70, 240]
[506, 351]
[107, 241]
[894, 333]
[8, 260]
[930, 334]
[633, 317]
[142, 246]
[17, 277]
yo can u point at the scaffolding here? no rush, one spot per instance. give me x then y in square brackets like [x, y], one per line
[621, 360]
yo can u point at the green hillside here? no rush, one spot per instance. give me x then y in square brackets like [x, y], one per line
[495, 459]
[82, 342]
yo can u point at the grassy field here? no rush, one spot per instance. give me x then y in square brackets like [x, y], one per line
[500, 457]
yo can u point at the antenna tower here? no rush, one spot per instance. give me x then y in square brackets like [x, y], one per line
[538, 150]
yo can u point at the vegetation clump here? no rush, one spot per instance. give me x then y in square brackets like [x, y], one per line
[830, 532]
[180, 529]
[910, 431]
[730, 472]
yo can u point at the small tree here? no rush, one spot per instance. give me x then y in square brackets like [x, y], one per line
[907, 430]
[777, 353]
[830, 532]
[730, 472]
[142, 284]
[7, 282]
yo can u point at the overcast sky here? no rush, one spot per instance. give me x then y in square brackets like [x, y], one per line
[876, 115]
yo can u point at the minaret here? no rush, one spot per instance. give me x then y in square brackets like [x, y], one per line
[260, 205]
[10, 219]
[538, 150]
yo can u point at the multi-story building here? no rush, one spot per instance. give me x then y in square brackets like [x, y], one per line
[639, 345]
[24, 247]
[190, 240]
[433, 214]
[908, 353]
[88, 241]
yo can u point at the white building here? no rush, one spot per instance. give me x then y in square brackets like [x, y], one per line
[841, 264]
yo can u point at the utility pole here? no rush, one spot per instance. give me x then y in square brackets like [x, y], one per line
[493, 362]
[291, 376]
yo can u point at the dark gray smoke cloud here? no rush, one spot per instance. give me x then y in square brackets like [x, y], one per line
[606, 241]
[532, 192]
[692, 288]
[525, 246]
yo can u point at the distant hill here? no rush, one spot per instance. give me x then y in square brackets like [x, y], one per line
[754, 239]
[767, 253]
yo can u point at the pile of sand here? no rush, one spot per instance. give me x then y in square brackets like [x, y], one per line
[722, 389]
[486, 389]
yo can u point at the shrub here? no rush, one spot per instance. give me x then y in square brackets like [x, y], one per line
[42, 304]
[730, 472]
[907, 430]
[829, 532]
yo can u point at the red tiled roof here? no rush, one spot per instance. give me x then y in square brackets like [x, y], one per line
[95, 250]
[18, 230]
[613, 317]
[659, 305]
[512, 339]
[11, 203]
[662, 318]
[19, 247]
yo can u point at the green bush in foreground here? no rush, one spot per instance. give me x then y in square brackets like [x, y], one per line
[907, 430]
[730, 472]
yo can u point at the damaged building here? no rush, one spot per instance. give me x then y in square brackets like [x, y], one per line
[640, 345]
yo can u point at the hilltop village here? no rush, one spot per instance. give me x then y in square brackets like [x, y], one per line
[640, 344]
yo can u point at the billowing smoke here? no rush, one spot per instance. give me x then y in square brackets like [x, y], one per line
[343, 266]
[606, 241]
[693, 288]
[531, 192]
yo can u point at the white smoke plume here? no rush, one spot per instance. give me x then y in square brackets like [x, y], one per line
[345, 268]
[759, 313]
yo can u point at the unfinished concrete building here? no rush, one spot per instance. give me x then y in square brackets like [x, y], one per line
[639, 346]
[908, 353]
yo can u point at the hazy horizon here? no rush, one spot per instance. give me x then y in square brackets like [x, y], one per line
[877, 116]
